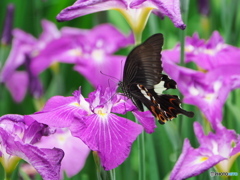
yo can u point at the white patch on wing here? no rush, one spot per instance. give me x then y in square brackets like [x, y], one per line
[159, 88]
[144, 92]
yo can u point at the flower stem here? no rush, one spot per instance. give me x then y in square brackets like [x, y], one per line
[184, 6]
[137, 37]
[113, 174]
[184, 9]
[141, 148]
[101, 173]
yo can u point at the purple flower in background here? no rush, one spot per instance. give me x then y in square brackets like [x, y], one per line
[204, 7]
[135, 11]
[219, 73]
[18, 137]
[75, 151]
[90, 50]
[24, 48]
[215, 53]
[7, 31]
[92, 121]
[206, 55]
[213, 149]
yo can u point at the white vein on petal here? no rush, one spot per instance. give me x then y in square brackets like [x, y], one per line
[68, 111]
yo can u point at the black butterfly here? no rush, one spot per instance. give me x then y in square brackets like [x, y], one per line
[142, 73]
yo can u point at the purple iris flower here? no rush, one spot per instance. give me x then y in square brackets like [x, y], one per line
[94, 122]
[218, 73]
[24, 48]
[135, 11]
[75, 151]
[18, 137]
[90, 50]
[214, 148]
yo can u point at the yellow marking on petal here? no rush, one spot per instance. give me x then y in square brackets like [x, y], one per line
[101, 113]
[202, 159]
[201, 69]
[209, 97]
[61, 138]
[75, 104]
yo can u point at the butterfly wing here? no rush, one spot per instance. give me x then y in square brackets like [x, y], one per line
[171, 105]
[143, 65]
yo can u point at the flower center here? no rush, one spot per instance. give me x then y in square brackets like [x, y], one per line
[189, 48]
[101, 113]
[98, 55]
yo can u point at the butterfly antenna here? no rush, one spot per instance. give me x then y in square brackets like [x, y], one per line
[109, 76]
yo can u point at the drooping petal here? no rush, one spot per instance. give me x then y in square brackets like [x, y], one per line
[170, 8]
[193, 162]
[109, 42]
[12, 117]
[49, 33]
[45, 161]
[146, 119]
[74, 149]
[83, 7]
[59, 112]
[106, 68]
[111, 136]
[34, 132]
[17, 84]
[60, 50]
[132, 9]
[220, 142]
[22, 44]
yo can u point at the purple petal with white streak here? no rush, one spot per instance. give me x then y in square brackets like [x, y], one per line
[83, 7]
[111, 136]
[59, 112]
[193, 162]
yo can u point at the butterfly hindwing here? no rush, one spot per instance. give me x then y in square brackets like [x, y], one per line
[171, 105]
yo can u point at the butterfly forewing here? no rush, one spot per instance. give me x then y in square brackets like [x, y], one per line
[143, 65]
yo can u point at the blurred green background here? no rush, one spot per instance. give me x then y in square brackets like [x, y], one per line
[164, 146]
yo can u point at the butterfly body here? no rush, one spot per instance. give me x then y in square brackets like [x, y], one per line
[143, 73]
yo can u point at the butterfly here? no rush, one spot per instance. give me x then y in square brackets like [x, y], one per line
[142, 75]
